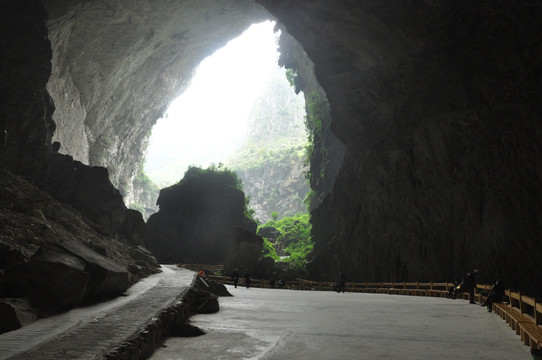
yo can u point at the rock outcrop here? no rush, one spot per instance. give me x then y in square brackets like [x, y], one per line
[16, 313]
[202, 220]
[56, 257]
[89, 190]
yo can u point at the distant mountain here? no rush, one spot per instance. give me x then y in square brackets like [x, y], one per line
[271, 161]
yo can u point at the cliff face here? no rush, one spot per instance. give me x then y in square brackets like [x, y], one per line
[271, 161]
[438, 106]
[26, 126]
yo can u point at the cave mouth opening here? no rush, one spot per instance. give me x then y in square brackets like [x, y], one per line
[240, 109]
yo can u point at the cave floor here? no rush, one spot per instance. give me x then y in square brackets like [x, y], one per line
[93, 331]
[286, 324]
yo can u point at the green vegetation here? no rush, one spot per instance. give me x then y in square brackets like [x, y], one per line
[317, 115]
[212, 175]
[268, 250]
[294, 241]
[254, 155]
[291, 76]
[318, 110]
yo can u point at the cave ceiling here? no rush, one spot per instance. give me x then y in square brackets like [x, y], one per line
[117, 65]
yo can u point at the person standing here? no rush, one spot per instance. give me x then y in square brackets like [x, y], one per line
[341, 282]
[469, 284]
[235, 277]
[247, 279]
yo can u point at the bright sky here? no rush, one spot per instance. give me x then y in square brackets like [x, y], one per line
[208, 121]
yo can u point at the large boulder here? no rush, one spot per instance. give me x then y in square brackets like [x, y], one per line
[57, 278]
[63, 275]
[106, 276]
[16, 313]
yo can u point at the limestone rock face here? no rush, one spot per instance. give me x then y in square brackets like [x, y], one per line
[116, 66]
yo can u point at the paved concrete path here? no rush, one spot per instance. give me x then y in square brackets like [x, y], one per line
[93, 331]
[285, 324]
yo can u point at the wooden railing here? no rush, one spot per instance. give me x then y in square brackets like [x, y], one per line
[524, 315]
[402, 288]
[198, 267]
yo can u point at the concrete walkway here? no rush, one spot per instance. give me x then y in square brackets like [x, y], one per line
[94, 332]
[285, 324]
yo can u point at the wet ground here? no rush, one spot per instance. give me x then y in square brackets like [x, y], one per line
[286, 324]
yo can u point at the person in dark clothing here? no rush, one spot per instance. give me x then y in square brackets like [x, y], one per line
[495, 295]
[247, 279]
[273, 280]
[235, 277]
[468, 285]
[341, 282]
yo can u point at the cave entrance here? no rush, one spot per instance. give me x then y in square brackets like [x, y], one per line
[240, 112]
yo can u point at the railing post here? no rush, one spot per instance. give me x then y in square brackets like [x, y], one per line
[520, 303]
[536, 317]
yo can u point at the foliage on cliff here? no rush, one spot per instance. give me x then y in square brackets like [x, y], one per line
[294, 240]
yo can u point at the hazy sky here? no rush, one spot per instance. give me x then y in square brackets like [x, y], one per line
[206, 123]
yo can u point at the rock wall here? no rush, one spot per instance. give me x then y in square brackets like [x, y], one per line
[327, 151]
[26, 126]
[438, 107]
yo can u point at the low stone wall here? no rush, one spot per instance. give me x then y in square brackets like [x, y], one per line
[143, 344]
